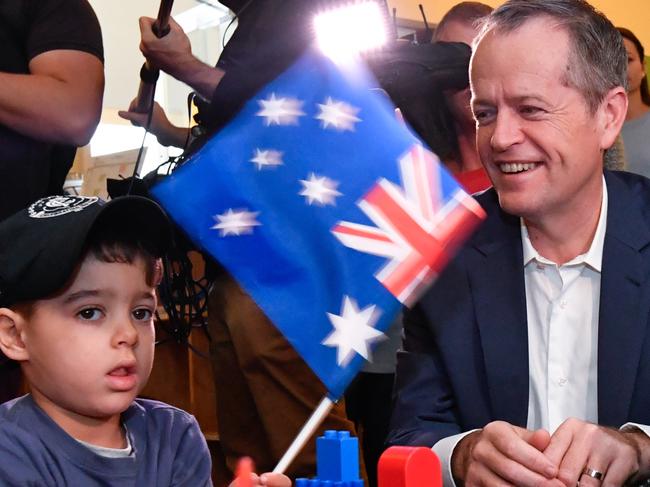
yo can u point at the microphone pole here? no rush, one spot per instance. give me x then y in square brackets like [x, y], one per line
[428, 34]
[149, 74]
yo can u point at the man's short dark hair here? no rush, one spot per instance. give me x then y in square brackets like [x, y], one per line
[597, 59]
[464, 12]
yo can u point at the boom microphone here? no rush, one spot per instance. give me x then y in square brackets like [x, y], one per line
[149, 74]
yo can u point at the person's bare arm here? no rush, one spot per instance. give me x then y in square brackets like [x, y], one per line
[60, 100]
[173, 55]
[166, 132]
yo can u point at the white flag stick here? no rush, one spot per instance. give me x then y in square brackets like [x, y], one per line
[305, 434]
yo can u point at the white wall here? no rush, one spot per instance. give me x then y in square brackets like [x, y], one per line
[121, 36]
[119, 22]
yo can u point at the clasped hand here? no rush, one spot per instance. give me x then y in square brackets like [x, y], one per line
[503, 454]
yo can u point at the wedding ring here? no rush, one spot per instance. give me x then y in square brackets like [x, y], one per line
[593, 473]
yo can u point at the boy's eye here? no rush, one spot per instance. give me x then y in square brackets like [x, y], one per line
[90, 314]
[142, 314]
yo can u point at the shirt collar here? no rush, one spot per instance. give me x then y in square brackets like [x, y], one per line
[593, 257]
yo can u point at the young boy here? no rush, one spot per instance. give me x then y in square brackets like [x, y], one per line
[77, 299]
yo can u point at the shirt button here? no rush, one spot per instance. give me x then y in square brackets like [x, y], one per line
[562, 381]
[563, 304]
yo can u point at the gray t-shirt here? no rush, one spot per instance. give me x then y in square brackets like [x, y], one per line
[168, 449]
[636, 139]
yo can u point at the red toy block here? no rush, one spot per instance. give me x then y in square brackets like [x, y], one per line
[407, 466]
[244, 470]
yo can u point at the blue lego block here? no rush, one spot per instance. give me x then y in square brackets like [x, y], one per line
[337, 461]
[337, 456]
[327, 483]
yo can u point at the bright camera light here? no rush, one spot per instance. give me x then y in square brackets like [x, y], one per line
[346, 31]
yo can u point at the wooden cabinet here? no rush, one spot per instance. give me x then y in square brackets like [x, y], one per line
[184, 379]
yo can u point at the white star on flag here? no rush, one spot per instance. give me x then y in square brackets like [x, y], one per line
[267, 158]
[338, 114]
[280, 111]
[319, 189]
[236, 223]
[353, 331]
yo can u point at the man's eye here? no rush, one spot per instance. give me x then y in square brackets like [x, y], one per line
[530, 110]
[142, 314]
[482, 116]
[90, 314]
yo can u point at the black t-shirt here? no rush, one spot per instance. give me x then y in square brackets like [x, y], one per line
[270, 36]
[31, 169]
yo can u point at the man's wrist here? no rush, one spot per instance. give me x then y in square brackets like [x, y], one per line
[461, 457]
[641, 442]
[173, 136]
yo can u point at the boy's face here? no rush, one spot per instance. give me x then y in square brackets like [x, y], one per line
[91, 347]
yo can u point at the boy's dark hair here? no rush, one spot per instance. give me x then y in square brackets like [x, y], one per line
[114, 242]
[111, 251]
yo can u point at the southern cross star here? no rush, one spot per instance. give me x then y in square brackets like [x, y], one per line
[337, 114]
[319, 189]
[236, 223]
[353, 331]
[267, 157]
[280, 111]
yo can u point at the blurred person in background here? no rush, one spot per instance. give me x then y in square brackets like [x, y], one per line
[51, 89]
[636, 129]
[459, 24]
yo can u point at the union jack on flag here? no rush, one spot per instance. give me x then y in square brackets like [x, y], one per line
[415, 229]
[325, 208]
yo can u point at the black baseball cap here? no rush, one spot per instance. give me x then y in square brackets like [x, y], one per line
[41, 245]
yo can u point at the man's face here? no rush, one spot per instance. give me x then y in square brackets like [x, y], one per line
[91, 347]
[536, 137]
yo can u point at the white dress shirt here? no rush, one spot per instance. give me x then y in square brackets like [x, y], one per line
[562, 304]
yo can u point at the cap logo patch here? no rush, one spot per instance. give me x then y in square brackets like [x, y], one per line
[59, 205]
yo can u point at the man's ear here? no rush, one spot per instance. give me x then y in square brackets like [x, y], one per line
[11, 342]
[613, 110]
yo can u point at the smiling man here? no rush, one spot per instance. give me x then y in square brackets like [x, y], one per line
[528, 362]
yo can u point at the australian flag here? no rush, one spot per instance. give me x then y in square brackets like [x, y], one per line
[325, 208]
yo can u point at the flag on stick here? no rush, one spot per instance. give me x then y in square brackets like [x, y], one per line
[325, 208]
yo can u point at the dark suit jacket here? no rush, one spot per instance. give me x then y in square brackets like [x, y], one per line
[465, 358]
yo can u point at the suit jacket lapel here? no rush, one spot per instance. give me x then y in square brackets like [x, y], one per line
[624, 303]
[500, 302]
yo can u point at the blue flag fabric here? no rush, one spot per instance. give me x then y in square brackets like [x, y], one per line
[325, 208]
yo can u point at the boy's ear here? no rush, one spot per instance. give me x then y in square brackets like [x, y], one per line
[11, 343]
